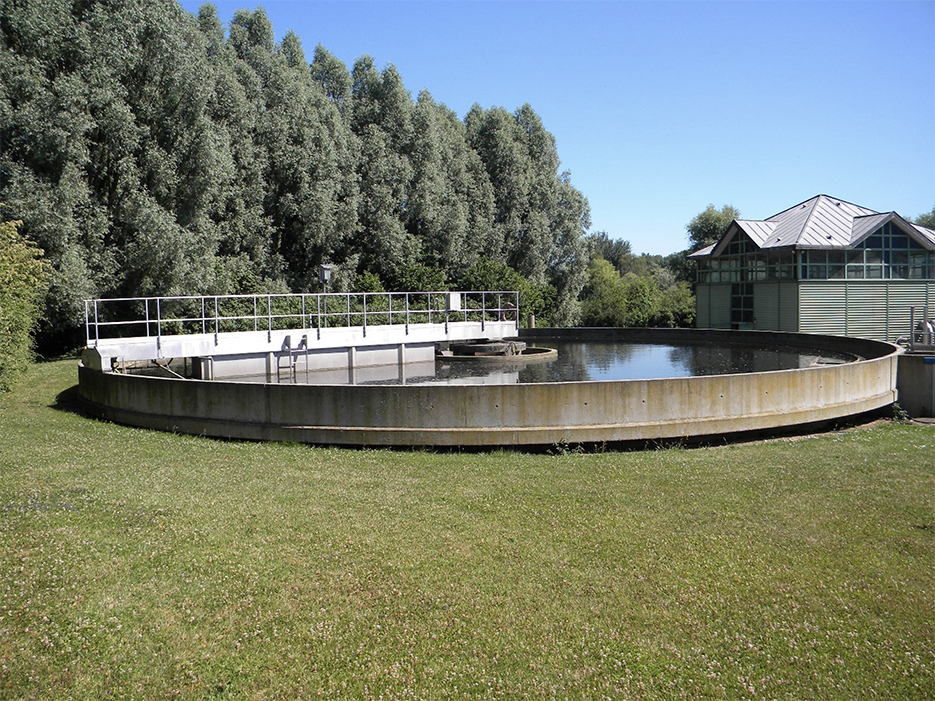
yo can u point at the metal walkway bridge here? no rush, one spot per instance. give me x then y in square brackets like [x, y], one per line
[235, 332]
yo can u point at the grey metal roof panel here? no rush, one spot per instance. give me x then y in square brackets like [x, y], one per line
[821, 222]
[702, 252]
[864, 226]
[927, 234]
[758, 231]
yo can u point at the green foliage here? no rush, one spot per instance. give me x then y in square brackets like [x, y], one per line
[927, 220]
[149, 152]
[368, 282]
[23, 274]
[417, 277]
[708, 226]
[605, 302]
[652, 299]
[487, 275]
[539, 218]
[617, 252]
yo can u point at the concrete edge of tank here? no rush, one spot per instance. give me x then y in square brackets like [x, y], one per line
[514, 415]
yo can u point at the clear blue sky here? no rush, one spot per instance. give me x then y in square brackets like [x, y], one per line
[660, 108]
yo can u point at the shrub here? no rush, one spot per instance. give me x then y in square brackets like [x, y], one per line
[23, 275]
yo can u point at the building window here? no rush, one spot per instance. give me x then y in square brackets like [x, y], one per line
[887, 254]
[741, 303]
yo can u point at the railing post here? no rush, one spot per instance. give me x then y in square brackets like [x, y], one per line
[365, 313]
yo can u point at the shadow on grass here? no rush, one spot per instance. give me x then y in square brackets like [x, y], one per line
[69, 402]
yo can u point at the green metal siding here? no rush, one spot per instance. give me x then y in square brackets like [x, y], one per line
[776, 306]
[822, 308]
[712, 306]
[766, 305]
[702, 312]
[877, 309]
[901, 295]
[719, 306]
[866, 310]
[789, 306]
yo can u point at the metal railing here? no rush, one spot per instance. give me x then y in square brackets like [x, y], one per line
[922, 334]
[148, 317]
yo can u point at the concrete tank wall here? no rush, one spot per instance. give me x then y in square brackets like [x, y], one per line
[513, 414]
[916, 384]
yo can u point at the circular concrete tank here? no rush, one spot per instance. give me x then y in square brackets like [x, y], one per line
[516, 414]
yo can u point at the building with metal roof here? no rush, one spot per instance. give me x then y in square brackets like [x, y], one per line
[822, 266]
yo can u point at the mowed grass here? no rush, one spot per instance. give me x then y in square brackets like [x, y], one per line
[137, 564]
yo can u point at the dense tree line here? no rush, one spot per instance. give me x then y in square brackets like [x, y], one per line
[151, 152]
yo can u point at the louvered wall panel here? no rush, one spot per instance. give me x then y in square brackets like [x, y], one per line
[822, 308]
[789, 306]
[719, 306]
[903, 294]
[702, 312]
[878, 310]
[866, 310]
[766, 306]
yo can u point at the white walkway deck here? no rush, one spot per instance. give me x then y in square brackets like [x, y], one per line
[367, 329]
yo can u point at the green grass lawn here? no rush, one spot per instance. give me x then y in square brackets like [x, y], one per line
[137, 564]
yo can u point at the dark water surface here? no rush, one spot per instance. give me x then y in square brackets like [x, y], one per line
[594, 361]
[577, 361]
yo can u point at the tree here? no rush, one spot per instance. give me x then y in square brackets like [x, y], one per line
[491, 276]
[23, 273]
[927, 220]
[675, 307]
[617, 252]
[451, 205]
[651, 299]
[332, 74]
[605, 301]
[708, 226]
[539, 217]
[381, 119]
[311, 184]
[148, 151]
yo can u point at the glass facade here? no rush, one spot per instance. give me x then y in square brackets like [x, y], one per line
[887, 254]
[743, 261]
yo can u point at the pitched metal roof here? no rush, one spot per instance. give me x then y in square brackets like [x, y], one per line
[821, 222]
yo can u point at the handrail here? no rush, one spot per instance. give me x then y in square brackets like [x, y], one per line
[922, 330]
[136, 317]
